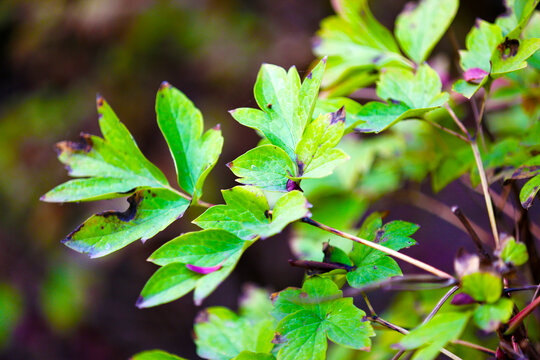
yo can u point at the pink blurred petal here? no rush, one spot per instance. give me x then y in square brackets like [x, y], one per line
[204, 269]
[474, 74]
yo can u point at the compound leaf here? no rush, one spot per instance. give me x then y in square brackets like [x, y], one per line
[373, 265]
[420, 26]
[310, 315]
[149, 212]
[194, 153]
[247, 213]
[107, 167]
[286, 105]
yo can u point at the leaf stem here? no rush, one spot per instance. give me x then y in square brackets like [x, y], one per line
[403, 331]
[514, 323]
[379, 247]
[457, 121]
[474, 236]
[447, 130]
[187, 197]
[440, 304]
[485, 188]
[368, 303]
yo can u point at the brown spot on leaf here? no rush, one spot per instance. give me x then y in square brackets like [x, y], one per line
[128, 215]
[338, 116]
[508, 48]
[269, 106]
[279, 339]
[99, 100]
[528, 202]
[84, 144]
[201, 317]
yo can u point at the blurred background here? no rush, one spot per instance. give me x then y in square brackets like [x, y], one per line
[55, 55]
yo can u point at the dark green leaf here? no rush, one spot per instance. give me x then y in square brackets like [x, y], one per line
[529, 191]
[311, 314]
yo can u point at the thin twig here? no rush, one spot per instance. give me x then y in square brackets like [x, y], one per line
[485, 189]
[456, 120]
[440, 304]
[474, 236]
[440, 209]
[382, 248]
[474, 346]
[317, 265]
[514, 323]
[447, 130]
[368, 303]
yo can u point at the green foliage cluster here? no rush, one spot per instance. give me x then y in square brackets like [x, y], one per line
[295, 175]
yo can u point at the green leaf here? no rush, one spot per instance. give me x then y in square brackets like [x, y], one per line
[64, 296]
[409, 95]
[267, 167]
[247, 213]
[419, 27]
[11, 303]
[468, 89]
[248, 355]
[481, 42]
[201, 248]
[311, 314]
[514, 253]
[316, 153]
[529, 191]
[107, 167]
[194, 153]
[482, 286]
[175, 279]
[512, 55]
[352, 108]
[431, 337]
[286, 105]
[532, 30]
[373, 265]
[149, 212]
[221, 334]
[356, 44]
[488, 317]
[155, 355]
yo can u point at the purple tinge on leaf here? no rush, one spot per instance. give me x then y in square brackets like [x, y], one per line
[292, 185]
[462, 299]
[204, 269]
[474, 74]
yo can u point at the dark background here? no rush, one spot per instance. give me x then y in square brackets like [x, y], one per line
[54, 56]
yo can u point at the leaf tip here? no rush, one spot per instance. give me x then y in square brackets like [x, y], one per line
[140, 302]
[217, 127]
[324, 59]
[164, 85]
[338, 116]
[229, 164]
[99, 100]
